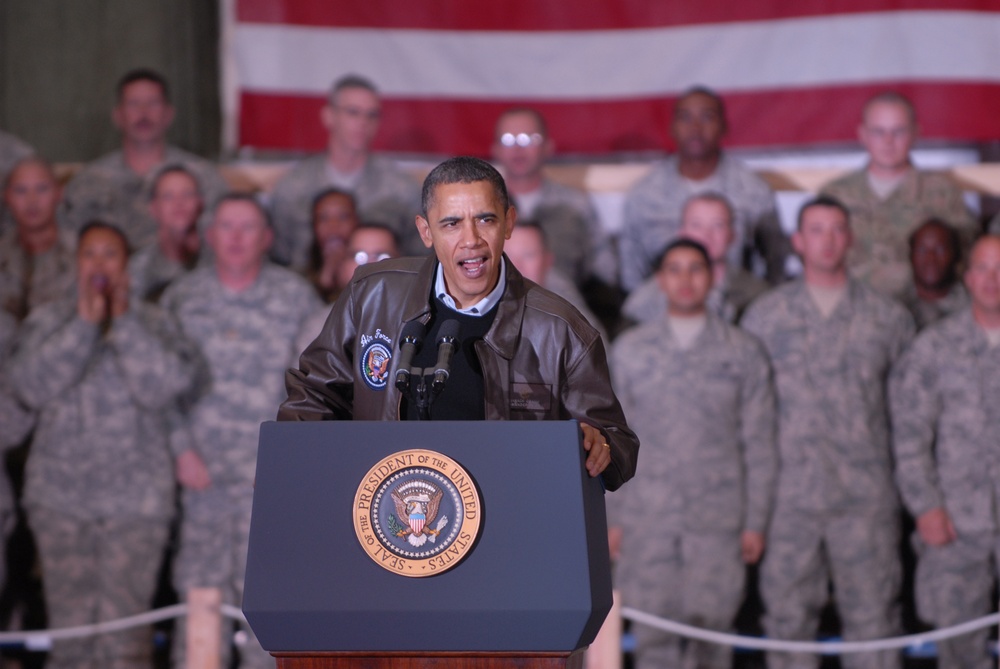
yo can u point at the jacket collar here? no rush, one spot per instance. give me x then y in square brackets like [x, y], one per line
[505, 333]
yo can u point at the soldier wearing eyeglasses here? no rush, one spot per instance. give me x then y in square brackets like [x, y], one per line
[384, 194]
[521, 147]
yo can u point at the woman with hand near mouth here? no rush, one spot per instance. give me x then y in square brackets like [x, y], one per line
[102, 371]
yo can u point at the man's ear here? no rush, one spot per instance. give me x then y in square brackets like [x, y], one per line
[511, 221]
[424, 228]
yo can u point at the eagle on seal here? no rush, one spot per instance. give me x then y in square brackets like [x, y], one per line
[418, 509]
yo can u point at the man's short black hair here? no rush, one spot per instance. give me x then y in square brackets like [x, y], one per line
[463, 170]
[823, 201]
[682, 243]
[143, 74]
[699, 89]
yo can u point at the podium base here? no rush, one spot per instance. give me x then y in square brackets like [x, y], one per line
[450, 660]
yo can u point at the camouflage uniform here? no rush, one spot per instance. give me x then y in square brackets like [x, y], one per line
[573, 233]
[150, 272]
[385, 195]
[880, 254]
[706, 417]
[946, 422]
[17, 423]
[50, 275]
[925, 313]
[836, 512]
[108, 189]
[647, 303]
[99, 487]
[653, 217]
[247, 342]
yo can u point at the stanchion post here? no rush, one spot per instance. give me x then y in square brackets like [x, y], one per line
[606, 651]
[204, 628]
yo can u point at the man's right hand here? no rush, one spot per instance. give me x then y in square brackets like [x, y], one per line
[935, 527]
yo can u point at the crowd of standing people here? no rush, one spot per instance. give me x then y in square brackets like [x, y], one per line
[148, 316]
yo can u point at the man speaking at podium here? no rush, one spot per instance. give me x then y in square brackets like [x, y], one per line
[461, 335]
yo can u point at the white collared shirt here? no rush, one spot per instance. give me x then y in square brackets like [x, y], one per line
[481, 307]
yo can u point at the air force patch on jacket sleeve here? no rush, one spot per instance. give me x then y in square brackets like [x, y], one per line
[376, 352]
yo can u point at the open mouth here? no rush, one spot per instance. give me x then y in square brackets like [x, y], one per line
[473, 268]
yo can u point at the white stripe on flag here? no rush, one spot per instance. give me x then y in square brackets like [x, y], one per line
[790, 53]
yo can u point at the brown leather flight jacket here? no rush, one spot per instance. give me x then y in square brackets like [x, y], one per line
[541, 359]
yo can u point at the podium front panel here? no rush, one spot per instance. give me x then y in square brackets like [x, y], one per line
[538, 578]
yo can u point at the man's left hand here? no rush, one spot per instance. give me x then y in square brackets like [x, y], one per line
[598, 447]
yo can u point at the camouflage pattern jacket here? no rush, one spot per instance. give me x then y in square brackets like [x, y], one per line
[100, 448]
[831, 375]
[706, 418]
[945, 400]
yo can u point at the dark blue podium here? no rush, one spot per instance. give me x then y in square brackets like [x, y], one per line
[533, 589]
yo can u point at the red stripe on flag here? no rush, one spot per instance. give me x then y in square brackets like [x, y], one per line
[949, 111]
[541, 15]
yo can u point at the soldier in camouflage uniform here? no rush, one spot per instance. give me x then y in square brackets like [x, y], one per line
[653, 207]
[831, 340]
[935, 251]
[698, 392]
[115, 186]
[889, 197]
[383, 193]
[528, 249]
[706, 218]
[244, 315]
[521, 146]
[946, 422]
[100, 370]
[175, 203]
[36, 256]
[17, 422]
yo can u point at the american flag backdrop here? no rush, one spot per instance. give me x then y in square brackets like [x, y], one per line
[605, 72]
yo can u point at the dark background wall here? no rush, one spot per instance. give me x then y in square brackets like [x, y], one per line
[60, 60]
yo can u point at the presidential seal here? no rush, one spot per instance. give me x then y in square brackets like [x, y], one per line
[417, 513]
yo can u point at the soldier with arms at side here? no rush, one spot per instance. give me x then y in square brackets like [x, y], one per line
[243, 314]
[832, 341]
[945, 424]
[698, 392]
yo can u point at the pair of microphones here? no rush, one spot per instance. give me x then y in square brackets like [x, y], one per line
[412, 339]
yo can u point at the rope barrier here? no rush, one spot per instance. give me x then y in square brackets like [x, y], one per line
[42, 639]
[819, 647]
[39, 640]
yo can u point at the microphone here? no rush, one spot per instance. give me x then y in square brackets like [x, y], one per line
[412, 338]
[446, 348]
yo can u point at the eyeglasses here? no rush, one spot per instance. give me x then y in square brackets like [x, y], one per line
[363, 257]
[521, 139]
